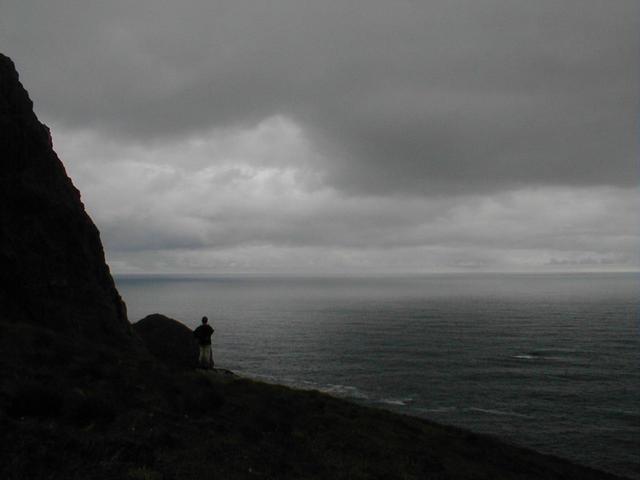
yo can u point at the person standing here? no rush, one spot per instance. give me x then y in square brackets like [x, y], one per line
[203, 335]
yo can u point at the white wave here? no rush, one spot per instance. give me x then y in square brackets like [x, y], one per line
[491, 411]
[547, 358]
[347, 391]
[437, 409]
[336, 390]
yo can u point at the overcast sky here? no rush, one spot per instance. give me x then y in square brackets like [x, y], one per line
[345, 136]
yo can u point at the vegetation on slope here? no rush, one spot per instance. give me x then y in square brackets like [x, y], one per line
[77, 410]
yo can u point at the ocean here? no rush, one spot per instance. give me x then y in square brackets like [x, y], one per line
[548, 361]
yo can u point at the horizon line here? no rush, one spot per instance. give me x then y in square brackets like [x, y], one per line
[365, 274]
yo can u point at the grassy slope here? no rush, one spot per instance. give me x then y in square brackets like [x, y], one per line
[70, 410]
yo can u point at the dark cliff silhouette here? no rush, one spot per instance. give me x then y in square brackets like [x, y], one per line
[52, 267]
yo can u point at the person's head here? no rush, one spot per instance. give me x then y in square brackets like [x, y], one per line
[204, 320]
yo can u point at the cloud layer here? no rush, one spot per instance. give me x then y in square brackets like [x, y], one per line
[343, 135]
[250, 212]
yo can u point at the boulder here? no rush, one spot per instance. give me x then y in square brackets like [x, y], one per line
[168, 340]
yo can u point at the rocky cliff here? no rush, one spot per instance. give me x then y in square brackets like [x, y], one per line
[52, 267]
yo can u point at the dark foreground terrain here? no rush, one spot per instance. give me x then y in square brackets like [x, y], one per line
[84, 395]
[74, 410]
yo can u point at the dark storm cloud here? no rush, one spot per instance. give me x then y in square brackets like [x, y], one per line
[397, 97]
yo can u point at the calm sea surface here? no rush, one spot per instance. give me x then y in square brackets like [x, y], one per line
[547, 361]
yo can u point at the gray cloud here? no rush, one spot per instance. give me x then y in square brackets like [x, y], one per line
[426, 98]
[348, 136]
[159, 214]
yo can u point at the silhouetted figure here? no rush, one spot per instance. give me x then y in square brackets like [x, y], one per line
[203, 334]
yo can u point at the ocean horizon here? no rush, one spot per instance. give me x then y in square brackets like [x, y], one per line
[547, 361]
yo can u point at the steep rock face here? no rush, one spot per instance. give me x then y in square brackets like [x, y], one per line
[52, 267]
[168, 340]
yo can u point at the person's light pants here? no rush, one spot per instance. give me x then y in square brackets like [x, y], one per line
[206, 357]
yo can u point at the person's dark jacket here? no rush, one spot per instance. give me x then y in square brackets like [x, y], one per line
[203, 334]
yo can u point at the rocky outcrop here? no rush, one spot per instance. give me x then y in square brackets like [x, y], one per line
[168, 340]
[52, 267]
